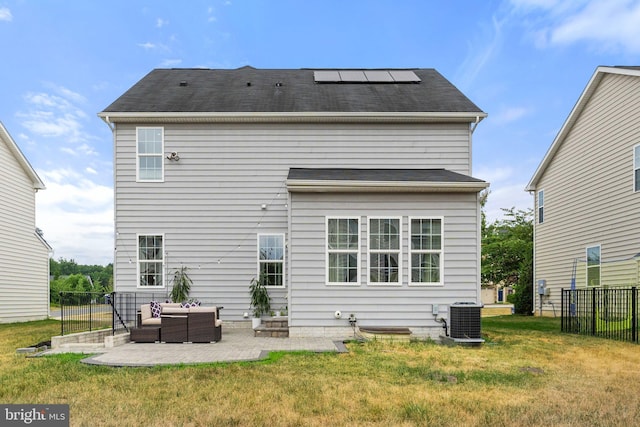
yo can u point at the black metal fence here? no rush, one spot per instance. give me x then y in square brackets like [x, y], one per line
[90, 311]
[85, 311]
[605, 312]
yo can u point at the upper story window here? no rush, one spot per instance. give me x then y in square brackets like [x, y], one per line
[593, 266]
[343, 251]
[150, 261]
[636, 168]
[149, 153]
[540, 206]
[425, 251]
[384, 250]
[271, 258]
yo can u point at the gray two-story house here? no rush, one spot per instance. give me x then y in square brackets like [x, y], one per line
[351, 190]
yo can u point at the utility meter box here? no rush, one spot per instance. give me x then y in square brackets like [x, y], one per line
[542, 287]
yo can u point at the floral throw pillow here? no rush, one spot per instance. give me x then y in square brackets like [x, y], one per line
[155, 309]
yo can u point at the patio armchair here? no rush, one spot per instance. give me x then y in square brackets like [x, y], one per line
[204, 324]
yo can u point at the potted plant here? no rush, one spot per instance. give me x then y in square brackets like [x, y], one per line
[181, 285]
[260, 299]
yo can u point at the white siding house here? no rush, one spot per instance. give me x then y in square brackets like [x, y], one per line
[24, 255]
[587, 192]
[215, 169]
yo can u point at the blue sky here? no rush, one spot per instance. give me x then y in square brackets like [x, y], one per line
[524, 62]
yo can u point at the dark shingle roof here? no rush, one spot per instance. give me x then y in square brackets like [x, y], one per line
[400, 175]
[247, 90]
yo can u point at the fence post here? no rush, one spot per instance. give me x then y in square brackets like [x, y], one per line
[562, 316]
[112, 297]
[61, 313]
[593, 311]
[634, 314]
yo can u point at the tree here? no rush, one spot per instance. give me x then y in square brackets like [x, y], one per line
[507, 255]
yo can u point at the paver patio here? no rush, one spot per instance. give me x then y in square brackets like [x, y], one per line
[238, 344]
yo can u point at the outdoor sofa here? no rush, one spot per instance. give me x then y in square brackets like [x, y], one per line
[177, 323]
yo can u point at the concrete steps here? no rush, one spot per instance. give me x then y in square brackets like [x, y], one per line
[273, 327]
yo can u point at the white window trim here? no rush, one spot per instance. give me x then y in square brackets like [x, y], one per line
[586, 272]
[284, 258]
[138, 179]
[326, 251]
[636, 167]
[411, 251]
[384, 251]
[164, 273]
[540, 206]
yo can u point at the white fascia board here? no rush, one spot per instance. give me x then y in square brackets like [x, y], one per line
[195, 117]
[346, 186]
[17, 153]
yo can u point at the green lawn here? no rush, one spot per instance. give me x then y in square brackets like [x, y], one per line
[527, 374]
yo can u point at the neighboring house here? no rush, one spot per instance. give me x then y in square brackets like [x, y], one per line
[587, 192]
[24, 254]
[350, 189]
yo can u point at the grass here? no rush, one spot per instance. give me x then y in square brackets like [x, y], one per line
[527, 374]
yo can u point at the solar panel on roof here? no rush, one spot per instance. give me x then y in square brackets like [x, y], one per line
[326, 76]
[378, 76]
[365, 76]
[353, 76]
[404, 76]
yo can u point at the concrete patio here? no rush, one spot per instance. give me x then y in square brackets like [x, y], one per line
[238, 344]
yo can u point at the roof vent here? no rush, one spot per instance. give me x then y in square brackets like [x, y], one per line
[184, 83]
[278, 84]
[248, 83]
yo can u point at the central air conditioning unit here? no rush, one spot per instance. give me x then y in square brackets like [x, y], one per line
[464, 320]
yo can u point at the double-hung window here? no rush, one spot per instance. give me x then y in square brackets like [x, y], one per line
[343, 251]
[636, 168]
[150, 149]
[540, 206]
[593, 266]
[271, 258]
[150, 261]
[384, 251]
[425, 253]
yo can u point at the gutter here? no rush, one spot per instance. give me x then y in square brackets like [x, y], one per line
[341, 186]
[290, 117]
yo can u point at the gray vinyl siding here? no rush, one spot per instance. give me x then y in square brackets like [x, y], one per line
[209, 205]
[24, 260]
[589, 197]
[314, 302]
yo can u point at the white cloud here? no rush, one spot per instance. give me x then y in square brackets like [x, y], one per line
[509, 115]
[169, 63]
[153, 46]
[612, 25]
[147, 45]
[505, 191]
[483, 50]
[211, 16]
[161, 23]
[76, 215]
[55, 115]
[91, 170]
[5, 14]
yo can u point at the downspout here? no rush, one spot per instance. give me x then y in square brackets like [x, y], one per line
[112, 126]
[533, 255]
[473, 127]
